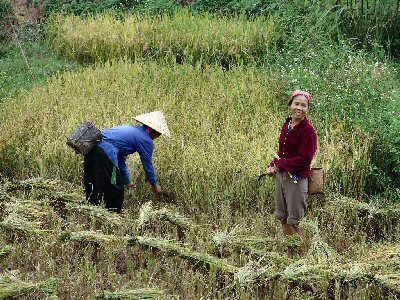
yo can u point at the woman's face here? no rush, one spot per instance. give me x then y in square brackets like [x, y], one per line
[299, 107]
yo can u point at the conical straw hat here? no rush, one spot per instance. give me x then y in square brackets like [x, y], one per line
[156, 121]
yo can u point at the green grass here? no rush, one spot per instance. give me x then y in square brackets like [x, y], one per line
[26, 64]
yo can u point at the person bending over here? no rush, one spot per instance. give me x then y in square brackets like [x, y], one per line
[105, 170]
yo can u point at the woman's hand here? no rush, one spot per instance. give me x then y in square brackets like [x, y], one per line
[272, 170]
[157, 189]
[131, 185]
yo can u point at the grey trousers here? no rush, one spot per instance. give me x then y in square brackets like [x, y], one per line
[290, 198]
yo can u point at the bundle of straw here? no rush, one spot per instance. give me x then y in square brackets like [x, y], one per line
[17, 222]
[5, 251]
[320, 252]
[97, 213]
[306, 271]
[357, 272]
[148, 213]
[89, 237]
[33, 183]
[11, 286]
[173, 248]
[254, 269]
[237, 239]
[31, 209]
[137, 294]
[390, 281]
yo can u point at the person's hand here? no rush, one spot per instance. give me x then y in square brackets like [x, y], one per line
[131, 185]
[157, 189]
[272, 170]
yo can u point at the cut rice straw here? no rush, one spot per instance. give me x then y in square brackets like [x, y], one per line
[89, 237]
[12, 287]
[173, 248]
[137, 294]
[147, 213]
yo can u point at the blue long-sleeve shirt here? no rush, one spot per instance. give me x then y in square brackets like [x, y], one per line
[120, 141]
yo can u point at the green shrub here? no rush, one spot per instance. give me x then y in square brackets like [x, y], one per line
[117, 7]
[370, 22]
[5, 8]
[155, 7]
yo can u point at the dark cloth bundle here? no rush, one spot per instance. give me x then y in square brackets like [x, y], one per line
[84, 138]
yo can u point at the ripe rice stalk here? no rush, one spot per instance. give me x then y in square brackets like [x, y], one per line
[145, 212]
[89, 237]
[267, 268]
[97, 213]
[378, 222]
[33, 183]
[206, 39]
[15, 222]
[321, 252]
[293, 242]
[241, 95]
[31, 209]
[307, 271]
[34, 205]
[137, 294]
[356, 272]
[174, 218]
[238, 240]
[12, 287]
[310, 226]
[222, 238]
[148, 213]
[67, 197]
[384, 258]
[6, 197]
[52, 297]
[57, 189]
[173, 248]
[5, 251]
[390, 282]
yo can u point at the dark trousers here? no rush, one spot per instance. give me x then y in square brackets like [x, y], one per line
[97, 179]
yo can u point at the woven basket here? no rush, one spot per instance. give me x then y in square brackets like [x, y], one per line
[84, 138]
[316, 182]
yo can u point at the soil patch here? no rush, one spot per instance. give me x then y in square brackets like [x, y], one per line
[25, 12]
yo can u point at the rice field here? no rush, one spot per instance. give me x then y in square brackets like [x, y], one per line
[208, 40]
[214, 236]
[54, 242]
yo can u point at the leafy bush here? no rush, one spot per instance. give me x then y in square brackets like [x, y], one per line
[155, 7]
[371, 22]
[5, 8]
[117, 7]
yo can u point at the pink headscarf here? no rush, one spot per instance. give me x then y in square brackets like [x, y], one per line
[303, 93]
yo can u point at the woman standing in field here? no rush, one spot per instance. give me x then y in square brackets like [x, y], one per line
[105, 170]
[291, 168]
